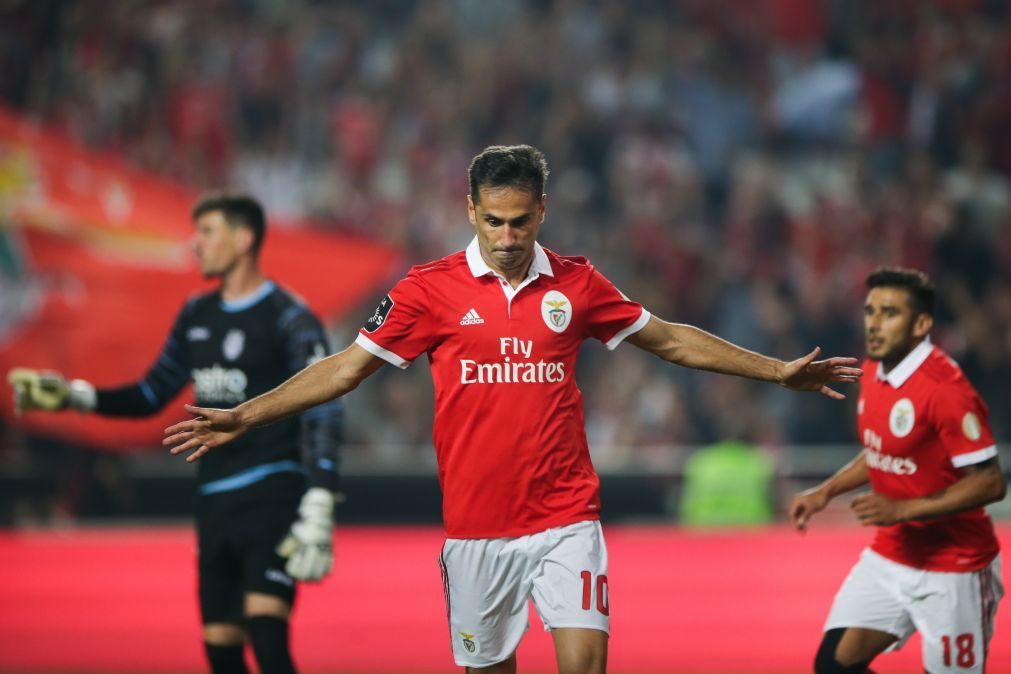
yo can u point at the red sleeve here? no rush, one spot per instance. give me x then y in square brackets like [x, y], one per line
[401, 328]
[960, 417]
[612, 316]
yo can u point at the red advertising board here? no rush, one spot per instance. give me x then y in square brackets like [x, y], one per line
[106, 264]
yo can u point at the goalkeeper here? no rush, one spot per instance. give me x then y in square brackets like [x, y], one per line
[265, 511]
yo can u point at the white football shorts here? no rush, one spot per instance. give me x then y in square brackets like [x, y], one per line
[488, 583]
[953, 612]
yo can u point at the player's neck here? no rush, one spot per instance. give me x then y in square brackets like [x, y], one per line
[514, 276]
[887, 365]
[241, 281]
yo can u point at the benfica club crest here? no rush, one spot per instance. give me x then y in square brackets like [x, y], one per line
[556, 310]
[902, 418]
[470, 643]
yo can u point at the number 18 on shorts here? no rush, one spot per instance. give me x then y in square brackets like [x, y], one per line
[489, 581]
[954, 612]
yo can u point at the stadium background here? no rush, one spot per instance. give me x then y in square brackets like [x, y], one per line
[736, 164]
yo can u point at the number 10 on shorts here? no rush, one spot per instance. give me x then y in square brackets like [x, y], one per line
[603, 603]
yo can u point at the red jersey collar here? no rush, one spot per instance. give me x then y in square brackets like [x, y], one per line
[478, 267]
[905, 369]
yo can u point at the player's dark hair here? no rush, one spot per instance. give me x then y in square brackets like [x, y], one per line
[240, 210]
[517, 166]
[917, 284]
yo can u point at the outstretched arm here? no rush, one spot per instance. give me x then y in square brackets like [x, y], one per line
[691, 347]
[846, 479]
[325, 380]
[981, 484]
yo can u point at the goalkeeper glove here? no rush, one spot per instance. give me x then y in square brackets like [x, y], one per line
[47, 390]
[308, 546]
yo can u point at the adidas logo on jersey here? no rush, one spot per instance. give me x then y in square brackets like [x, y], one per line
[471, 318]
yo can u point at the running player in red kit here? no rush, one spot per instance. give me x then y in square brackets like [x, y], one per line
[501, 324]
[931, 461]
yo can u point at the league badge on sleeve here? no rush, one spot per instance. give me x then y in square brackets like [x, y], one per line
[377, 319]
[971, 427]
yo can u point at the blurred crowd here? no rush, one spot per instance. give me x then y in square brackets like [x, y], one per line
[740, 165]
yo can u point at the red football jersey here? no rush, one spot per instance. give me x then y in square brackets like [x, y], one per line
[919, 425]
[509, 431]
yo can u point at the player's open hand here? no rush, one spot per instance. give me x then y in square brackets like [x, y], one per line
[808, 374]
[804, 505]
[875, 509]
[208, 429]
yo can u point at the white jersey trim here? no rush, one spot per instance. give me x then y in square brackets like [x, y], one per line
[972, 458]
[909, 365]
[379, 352]
[639, 324]
[478, 267]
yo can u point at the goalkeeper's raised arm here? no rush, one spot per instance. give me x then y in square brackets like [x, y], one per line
[325, 380]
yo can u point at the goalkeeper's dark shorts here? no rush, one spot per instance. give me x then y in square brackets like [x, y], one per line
[237, 536]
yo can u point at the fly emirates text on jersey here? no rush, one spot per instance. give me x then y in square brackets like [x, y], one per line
[515, 367]
[896, 465]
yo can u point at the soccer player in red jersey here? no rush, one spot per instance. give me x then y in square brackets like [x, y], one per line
[931, 461]
[501, 324]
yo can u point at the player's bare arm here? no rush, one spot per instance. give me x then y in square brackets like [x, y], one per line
[981, 484]
[689, 346]
[846, 479]
[325, 380]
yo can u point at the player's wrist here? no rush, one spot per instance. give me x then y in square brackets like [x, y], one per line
[825, 492]
[245, 416]
[906, 510]
[81, 396]
[779, 371]
[317, 505]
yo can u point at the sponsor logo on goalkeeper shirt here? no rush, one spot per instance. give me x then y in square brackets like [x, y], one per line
[217, 384]
[515, 366]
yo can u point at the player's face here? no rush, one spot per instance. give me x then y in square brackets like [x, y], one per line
[507, 221]
[891, 327]
[217, 244]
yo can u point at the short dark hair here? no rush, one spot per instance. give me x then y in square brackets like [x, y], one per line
[921, 290]
[517, 166]
[240, 210]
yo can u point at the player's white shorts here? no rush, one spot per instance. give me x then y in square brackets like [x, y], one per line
[953, 612]
[489, 581]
